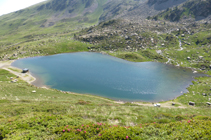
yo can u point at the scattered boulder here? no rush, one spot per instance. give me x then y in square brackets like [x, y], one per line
[188, 58]
[194, 71]
[191, 103]
[14, 81]
[201, 57]
[128, 47]
[173, 104]
[157, 105]
[25, 70]
[126, 37]
[134, 34]
[208, 103]
[204, 94]
[203, 68]
[34, 91]
[183, 35]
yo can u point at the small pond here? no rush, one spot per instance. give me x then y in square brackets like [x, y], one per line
[107, 76]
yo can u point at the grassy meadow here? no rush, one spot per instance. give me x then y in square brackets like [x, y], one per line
[29, 112]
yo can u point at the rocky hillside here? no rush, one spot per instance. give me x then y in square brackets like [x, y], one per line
[79, 13]
[181, 44]
[196, 9]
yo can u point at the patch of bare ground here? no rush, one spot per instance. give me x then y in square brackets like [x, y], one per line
[24, 76]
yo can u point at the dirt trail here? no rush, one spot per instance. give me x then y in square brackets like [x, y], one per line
[24, 76]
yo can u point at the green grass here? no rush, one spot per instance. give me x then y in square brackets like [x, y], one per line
[44, 114]
[202, 85]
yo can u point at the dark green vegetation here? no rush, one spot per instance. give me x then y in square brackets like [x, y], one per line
[68, 127]
[46, 114]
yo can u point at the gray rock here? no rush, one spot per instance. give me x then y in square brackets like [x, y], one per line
[188, 58]
[126, 37]
[191, 103]
[134, 34]
[204, 94]
[200, 57]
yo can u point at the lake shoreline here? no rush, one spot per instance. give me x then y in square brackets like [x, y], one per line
[33, 82]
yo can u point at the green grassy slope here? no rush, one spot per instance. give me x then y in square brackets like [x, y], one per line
[46, 114]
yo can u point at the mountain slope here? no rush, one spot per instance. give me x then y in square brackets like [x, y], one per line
[78, 13]
[195, 9]
[37, 25]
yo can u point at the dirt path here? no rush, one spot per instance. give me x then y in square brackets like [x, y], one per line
[6, 65]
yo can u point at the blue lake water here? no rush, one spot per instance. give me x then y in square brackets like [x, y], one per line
[107, 76]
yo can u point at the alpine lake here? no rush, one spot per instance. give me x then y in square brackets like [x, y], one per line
[110, 77]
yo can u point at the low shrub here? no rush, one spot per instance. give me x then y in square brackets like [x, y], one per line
[66, 127]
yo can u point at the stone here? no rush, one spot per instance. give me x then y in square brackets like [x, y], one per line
[188, 58]
[128, 47]
[14, 81]
[134, 34]
[126, 37]
[157, 105]
[208, 103]
[173, 104]
[34, 91]
[191, 103]
[200, 57]
[204, 94]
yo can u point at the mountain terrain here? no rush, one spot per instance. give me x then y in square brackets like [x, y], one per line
[52, 18]
[194, 9]
[174, 32]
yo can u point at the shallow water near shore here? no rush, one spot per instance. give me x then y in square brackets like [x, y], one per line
[107, 76]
